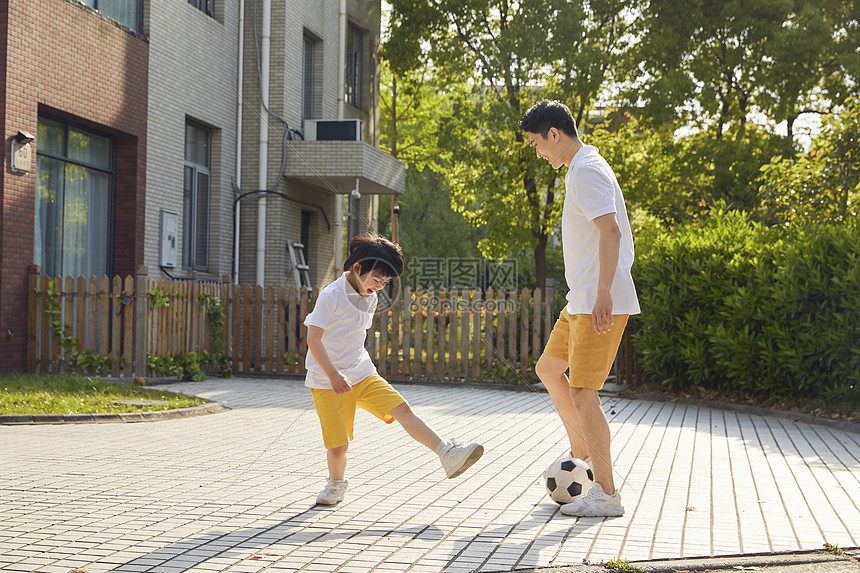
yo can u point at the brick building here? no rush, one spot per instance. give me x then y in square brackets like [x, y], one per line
[126, 118]
[75, 80]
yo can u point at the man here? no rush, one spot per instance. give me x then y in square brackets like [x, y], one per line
[598, 252]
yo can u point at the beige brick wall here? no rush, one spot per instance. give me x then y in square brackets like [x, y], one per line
[193, 74]
[290, 20]
[193, 70]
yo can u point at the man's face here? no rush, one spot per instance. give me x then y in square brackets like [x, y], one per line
[548, 147]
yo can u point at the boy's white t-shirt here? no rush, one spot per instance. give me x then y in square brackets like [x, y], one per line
[592, 190]
[344, 315]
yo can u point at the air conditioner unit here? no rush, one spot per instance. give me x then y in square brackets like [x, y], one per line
[332, 130]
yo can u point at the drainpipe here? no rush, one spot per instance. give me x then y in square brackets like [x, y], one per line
[265, 46]
[239, 82]
[341, 79]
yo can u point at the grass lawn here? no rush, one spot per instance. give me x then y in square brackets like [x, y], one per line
[31, 394]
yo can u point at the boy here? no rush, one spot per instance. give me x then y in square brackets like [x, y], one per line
[341, 375]
[598, 253]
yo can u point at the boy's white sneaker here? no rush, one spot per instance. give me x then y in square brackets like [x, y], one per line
[595, 503]
[334, 491]
[456, 458]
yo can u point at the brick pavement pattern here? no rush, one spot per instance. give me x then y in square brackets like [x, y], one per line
[235, 491]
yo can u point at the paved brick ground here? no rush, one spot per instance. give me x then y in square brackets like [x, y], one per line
[234, 491]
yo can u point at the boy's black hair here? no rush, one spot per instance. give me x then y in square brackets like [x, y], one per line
[546, 114]
[375, 253]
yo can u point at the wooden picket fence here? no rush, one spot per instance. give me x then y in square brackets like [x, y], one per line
[493, 336]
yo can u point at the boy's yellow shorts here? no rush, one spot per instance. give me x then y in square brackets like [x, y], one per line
[588, 354]
[337, 411]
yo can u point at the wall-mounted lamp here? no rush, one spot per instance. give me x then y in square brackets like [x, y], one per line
[23, 137]
[397, 209]
[21, 152]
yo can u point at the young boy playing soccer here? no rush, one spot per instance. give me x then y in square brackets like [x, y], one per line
[598, 253]
[341, 375]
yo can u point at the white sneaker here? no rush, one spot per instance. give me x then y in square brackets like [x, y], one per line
[456, 458]
[334, 491]
[595, 503]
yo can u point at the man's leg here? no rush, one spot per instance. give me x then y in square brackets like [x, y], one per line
[551, 371]
[595, 431]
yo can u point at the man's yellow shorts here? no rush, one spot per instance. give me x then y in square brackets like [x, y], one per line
[337, 411]
[588, 354]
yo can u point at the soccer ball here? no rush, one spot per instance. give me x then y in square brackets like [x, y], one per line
[567, 478]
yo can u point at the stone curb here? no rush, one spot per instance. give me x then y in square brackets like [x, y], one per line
[726, 562]
[128, 417]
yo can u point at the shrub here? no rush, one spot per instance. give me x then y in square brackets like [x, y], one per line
[732, 306]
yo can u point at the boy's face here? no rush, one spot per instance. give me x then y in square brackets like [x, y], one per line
[549, 147]
[368, 283]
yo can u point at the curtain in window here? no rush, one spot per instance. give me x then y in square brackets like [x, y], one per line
[48, 243]
[73, 202]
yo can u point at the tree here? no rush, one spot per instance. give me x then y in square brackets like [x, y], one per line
[514, 53]
[822, 184]
[715, 63]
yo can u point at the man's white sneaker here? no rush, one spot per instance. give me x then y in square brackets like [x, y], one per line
[595, 503]
[334, 491]
[456, 459]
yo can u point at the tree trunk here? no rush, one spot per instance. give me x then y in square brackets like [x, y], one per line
[540, 262]
[789, 121]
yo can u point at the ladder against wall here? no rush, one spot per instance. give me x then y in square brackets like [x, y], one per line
[301, 270]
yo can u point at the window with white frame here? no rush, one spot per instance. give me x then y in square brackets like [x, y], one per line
[74, 200]
[195, 197]
[354, 65]
[126, 12]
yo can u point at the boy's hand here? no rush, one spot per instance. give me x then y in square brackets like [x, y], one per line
[341, 385]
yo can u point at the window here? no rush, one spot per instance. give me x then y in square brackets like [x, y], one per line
[354, 61]
[74, 201]
[205, 6]
[308, 77]
[126, 12]
[195, 236]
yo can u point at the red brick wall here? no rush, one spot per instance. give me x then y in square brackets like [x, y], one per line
[61, 58]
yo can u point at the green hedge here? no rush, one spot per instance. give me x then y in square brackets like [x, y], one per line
[732, 306]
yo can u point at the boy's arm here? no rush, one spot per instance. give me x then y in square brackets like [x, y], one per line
[608, 249]
[339, 383]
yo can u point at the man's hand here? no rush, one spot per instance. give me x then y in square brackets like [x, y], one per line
[341, 385]
[601, 314]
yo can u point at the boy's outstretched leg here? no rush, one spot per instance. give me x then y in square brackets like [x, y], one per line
[455, 459]
[336, 484]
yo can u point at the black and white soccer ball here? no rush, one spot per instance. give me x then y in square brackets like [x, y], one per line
[568, 478]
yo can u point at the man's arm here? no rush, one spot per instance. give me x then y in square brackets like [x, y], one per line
[608, 249]
[339, 383]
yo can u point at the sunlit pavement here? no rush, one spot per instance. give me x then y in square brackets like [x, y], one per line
[234, 491]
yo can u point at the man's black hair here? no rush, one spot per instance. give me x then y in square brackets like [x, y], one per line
[375, 253]
[546, 114]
